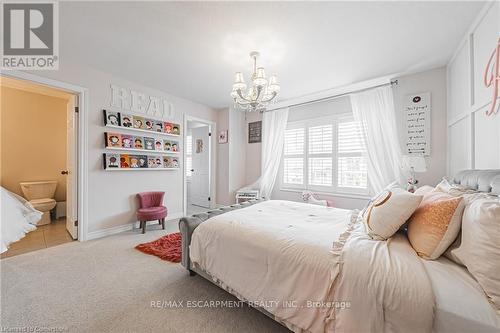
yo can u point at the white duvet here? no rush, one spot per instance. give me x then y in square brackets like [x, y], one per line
[290, 259]
[17, 218]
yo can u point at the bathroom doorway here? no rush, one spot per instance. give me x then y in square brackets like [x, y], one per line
[39, 134]
[198, 165]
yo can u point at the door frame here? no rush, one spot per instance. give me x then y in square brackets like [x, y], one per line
[212, 127]
[81, 140]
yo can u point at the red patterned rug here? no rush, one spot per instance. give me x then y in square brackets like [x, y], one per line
[167, 248]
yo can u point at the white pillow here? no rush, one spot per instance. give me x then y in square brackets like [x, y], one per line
[468, 199]
[423, 190]
[454, 189]
[388, 211]
[479, 249]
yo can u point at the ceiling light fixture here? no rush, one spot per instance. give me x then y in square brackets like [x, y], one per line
[261, 91]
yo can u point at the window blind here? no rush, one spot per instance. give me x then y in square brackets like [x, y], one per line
[351, 165]
[294, 141]
[325, 155]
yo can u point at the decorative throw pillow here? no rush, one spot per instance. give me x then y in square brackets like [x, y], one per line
[424, 190]
[479, 249]
[468, 199]
[435, 224]
[388, 211]
[454, 189]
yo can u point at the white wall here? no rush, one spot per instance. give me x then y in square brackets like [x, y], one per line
[111, 199]
[473, 137]
[223, 195]
[433, 81]
[237, 141]
[231, 161]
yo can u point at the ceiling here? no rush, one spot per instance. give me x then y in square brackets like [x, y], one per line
[192, 49]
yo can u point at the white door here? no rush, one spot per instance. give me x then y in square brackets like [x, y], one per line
[200, 178]
[71, 168]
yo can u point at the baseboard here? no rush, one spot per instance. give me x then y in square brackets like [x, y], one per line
[109, 231]
[124, 227]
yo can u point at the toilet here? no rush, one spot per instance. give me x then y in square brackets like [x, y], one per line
[41, 196]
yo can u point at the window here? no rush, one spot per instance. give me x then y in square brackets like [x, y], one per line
[351, 167]
[189, 155]
[320, 157]
[326, 155]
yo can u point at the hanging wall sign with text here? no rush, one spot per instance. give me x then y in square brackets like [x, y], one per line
[255, 132]
[417, 112]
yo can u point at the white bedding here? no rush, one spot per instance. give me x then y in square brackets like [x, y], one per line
[279, 251]
[17, 218]
[387, 285]
[286, 256]
[461, 305]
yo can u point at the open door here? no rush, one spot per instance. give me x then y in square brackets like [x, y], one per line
[200, 177]
[72, 168]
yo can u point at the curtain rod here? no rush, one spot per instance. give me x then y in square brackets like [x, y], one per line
[392, 83]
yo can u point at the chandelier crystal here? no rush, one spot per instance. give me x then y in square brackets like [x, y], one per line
[261, 91]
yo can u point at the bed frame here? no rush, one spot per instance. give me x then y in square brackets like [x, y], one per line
[487, 181]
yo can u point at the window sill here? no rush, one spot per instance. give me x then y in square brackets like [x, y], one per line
[330, 194]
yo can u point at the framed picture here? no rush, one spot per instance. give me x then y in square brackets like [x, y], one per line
[111, 161]
[158, 126]
[176, 129]
[167, 145]
[158, 144]
[139, 122]
[223, 136]
[167, 128]
[127, 120]
[111, 118]
[158, 161]
[134, 161]
[138, 142]
[199, 146]
[113, 139]
[175, 162]
[143, 161]
[149, 124]
[124, 161]
[127, 141]
[149, 143]
[154, 162]
[175, 146]
[167, 162]
[255, 132]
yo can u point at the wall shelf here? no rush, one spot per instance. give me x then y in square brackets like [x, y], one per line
[138, 130]
[152, 152]
[141, 169]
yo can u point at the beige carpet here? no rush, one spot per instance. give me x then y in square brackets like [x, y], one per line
[107, 286]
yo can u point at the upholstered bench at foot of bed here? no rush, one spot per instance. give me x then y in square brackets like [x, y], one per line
[189, 223]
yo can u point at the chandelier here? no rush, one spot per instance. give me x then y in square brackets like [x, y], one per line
[261, 91]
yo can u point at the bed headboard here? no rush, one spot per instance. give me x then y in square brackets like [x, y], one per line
[482, 180]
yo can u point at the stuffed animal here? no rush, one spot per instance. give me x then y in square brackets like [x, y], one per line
[309, 197]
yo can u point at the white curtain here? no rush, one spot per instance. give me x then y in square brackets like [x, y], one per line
[273, 139]
[374, 109]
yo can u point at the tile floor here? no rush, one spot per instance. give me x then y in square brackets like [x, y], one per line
[44, 236]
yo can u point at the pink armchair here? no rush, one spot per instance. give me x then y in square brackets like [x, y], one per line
[151, 208]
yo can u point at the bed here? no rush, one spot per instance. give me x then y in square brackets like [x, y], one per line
[18, 217]
[312, 269]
